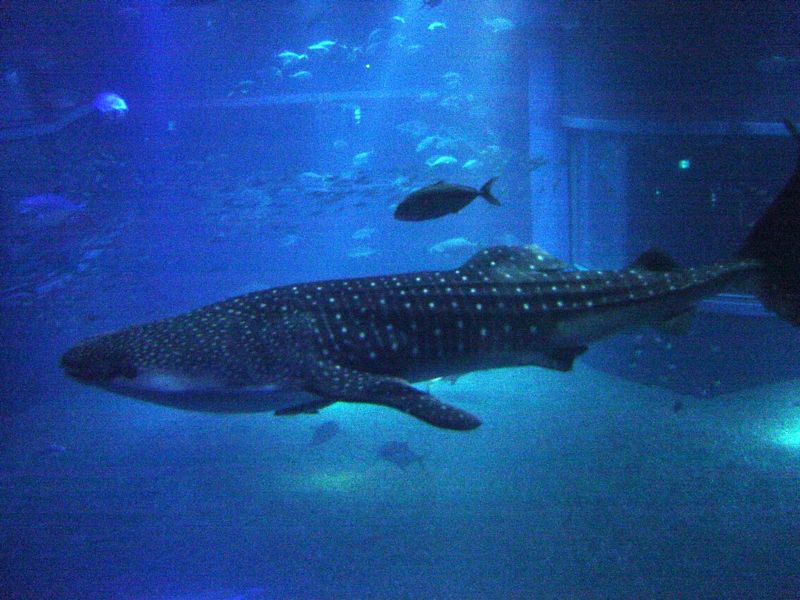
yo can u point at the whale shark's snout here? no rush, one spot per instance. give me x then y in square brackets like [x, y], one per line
[175, 363]
[96, 362]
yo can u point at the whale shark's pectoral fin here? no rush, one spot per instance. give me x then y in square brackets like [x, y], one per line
[334, 382]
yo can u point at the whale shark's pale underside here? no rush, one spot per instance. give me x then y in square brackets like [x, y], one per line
[301, 347]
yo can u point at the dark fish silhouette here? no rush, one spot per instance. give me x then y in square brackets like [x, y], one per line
[431, 3]
[302, 347]
[398, 453]
[324, 432]
[441, 199]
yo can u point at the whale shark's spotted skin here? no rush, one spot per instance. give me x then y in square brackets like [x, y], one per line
[301, 347]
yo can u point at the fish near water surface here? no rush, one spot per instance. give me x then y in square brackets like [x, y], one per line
[440, 199]
[299, 348]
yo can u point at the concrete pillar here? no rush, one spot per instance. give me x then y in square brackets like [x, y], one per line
[548, 140]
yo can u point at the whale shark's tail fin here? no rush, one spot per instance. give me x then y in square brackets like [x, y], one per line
[775, 242]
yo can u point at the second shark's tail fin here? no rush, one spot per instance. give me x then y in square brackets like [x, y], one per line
[486, 192]
[775, 242]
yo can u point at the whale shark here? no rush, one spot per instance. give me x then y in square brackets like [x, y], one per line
[298, 348]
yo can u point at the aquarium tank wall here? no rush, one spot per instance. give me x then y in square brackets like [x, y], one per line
[308, 299]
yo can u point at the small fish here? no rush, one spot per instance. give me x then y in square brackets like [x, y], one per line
[324, 433]
[301, 75]
[499, 24]
[323, 46]
[441, 199]
[400, 182]
[456, 244]
[361, 252]
[438, 161]
[361, 159]
[431, 3]
[437, 25]
[363, 233]
[399, 454]
[452, 79]
[471, 164]
[426, 142]
[288, 57]
[399, 19]
[312, 176]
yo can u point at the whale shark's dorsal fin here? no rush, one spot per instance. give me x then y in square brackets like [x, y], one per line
[510, 263]
[655, 260]
[559, 359]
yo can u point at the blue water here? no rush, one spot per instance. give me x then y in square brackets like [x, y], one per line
[661, 466]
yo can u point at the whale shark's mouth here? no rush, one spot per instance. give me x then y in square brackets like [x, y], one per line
[89, 364]
[100, 364]
[114, 370]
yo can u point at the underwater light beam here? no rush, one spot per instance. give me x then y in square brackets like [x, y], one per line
[788, 436]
